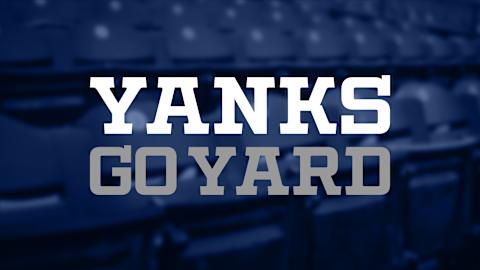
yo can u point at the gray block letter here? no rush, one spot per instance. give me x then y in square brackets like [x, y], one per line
[325, 173]
[357, 154]
[170, 168]
[212, 173]
[124, 173]
[272, 174]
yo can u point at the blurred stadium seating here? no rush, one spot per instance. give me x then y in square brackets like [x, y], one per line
[50, 120]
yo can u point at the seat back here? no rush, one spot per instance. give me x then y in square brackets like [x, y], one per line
[437, 175]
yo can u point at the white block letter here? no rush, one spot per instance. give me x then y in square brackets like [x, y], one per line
[314, 105]
[232, 94]
[381, 106]
[104, 86]
[165, 109]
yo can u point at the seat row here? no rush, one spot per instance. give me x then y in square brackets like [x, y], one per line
[431, 209]
[425, 13]
[109, 45]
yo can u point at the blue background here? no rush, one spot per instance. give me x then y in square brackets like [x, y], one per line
[50, 120]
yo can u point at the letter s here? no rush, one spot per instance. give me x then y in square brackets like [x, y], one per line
[382, 107]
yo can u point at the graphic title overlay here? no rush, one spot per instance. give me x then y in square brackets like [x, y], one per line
[233, 97]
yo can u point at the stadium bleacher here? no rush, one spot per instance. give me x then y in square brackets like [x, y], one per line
[50, 120]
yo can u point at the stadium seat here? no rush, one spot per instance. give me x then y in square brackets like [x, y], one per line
[137, 14]
[285, 16]
[44, 190]
[371, 45]
[15, 49]
[326, 44]
[42, 92]
[468, 85]
[437, 173]
[198, 44]
[21, 186]
[266, 44]
[181, 13]
[439, 48]
[333, 237]
[364, 8]
[464, 49]
[83, 251]
[235, 16]
[46, 14]
[107, 44]
[409, 48]
[468, 89]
